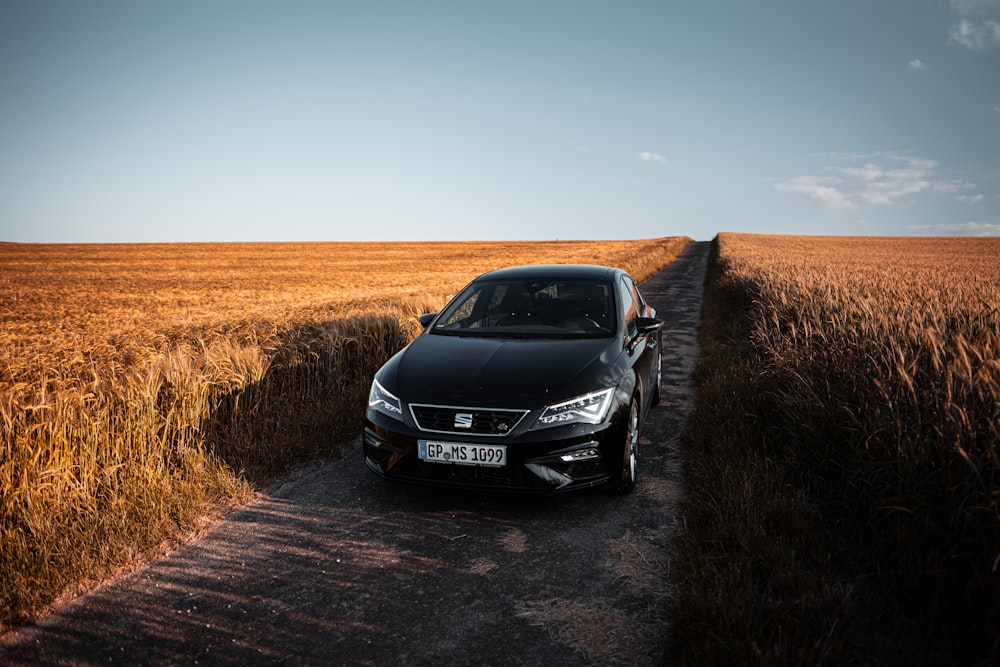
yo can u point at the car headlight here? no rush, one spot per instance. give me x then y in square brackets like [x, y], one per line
[587, 409]
[383, 401]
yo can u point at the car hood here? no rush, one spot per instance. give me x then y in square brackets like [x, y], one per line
[500, 372]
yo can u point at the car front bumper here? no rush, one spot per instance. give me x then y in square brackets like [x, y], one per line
[547, 461]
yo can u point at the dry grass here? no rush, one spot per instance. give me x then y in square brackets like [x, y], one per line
[604, 634]
[142, 385]
[844, 479]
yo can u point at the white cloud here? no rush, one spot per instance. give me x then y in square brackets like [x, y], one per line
[816, 188]
[970, 199]
[916, 65]
[960, 229]
[950, 187]
[884, 178]
[977, 24]
[884, 185]
[975, 36]
[652, 157]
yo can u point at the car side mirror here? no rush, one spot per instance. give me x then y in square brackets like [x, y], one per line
[426, 319]
[648, 325]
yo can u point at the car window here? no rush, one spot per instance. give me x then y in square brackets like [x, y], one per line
[636, 295]
[465, 310]
[629, 312]
[544, 307]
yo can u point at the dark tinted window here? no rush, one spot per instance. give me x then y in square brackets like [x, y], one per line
[531, 307]
[636, 296]
[629, 307]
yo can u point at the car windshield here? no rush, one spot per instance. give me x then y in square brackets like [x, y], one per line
[531, 309]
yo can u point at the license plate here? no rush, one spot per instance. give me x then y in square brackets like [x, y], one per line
[462, 454]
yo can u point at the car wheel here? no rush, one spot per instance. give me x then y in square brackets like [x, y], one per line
[630, 454]
[659, 379]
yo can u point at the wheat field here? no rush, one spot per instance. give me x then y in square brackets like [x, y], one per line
[844, 465]
[905, 332]
[142, 387]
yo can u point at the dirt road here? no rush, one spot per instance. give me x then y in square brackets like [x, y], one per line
[340, 567]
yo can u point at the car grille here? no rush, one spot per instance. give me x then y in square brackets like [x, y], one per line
[443, 419]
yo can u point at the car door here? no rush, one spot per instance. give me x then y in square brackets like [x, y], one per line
[653, 344]
[642, 349]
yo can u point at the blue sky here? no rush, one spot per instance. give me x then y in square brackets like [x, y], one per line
[376, 120]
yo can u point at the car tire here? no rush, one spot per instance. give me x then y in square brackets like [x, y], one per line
[630, 451]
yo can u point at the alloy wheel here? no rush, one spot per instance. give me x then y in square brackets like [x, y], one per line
[630, 457]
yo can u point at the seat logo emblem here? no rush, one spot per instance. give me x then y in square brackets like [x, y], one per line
[463, 420]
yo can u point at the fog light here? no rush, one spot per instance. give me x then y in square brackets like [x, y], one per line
[580, 455]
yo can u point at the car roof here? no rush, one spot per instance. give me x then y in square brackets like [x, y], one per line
[553, 271]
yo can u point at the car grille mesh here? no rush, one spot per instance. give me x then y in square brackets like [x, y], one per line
[448, 419]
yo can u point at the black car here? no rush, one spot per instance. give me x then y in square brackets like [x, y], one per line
[535, 378]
